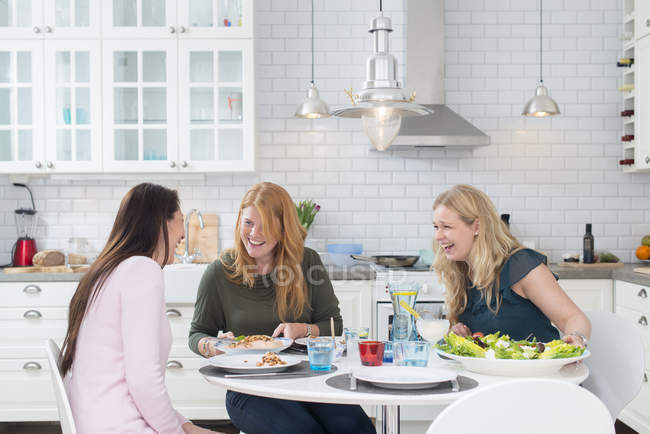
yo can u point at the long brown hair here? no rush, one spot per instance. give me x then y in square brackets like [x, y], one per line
[492, 246]
[279, 220]
[139, 224]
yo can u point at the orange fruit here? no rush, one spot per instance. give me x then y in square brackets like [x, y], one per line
[643, 252]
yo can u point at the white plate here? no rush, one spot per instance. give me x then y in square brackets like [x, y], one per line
[286, 343]
[404, 377]
[303, 341]
[246, 363]
[514, 368]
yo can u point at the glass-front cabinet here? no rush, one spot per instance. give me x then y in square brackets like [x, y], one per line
[38, 19]
[72, 107]
[178, 18]
[216, 102]
[21, 118]
[140, 106]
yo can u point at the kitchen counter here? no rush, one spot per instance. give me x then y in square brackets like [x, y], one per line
[365, 272]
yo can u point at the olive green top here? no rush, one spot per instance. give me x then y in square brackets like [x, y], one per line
[226, 306]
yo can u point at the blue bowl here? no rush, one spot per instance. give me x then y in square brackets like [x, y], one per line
[339, 254]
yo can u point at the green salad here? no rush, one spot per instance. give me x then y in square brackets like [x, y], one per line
[497, 346]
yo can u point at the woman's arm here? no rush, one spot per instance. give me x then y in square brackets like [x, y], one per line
[541, 288]
[324, 302]
[142, 318]
[208, 316]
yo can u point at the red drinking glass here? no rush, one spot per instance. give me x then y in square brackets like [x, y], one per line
[371, 352]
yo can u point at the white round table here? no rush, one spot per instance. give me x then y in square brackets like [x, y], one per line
[314, 389]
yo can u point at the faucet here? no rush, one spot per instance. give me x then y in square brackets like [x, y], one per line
[186, 257]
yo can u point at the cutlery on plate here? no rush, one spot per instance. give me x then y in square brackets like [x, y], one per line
[455, 387]
[353, 382]
[267, 374]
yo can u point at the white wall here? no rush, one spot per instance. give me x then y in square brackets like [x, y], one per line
[552, 175]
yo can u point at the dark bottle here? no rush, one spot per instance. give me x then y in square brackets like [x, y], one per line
[588, 246]
[390, 327]
[506, 219]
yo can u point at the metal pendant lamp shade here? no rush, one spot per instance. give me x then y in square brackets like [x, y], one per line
[381, 104]
[313, 107]
[541, 105]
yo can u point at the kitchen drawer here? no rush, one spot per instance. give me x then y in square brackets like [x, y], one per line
[28, 365]
[33, 315]
[41, 294]
[27, 348]
[640, 320]
[27, 386]
[635, 414]
[633, 296]
[18, 330]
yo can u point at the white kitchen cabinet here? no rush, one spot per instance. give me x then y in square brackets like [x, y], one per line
[642, 19]
[642, 103]
[178, 19]
[355, 302]
[632, 304]
[589, 294]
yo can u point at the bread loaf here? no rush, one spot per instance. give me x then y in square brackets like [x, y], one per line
[75, 259]
[48, 258]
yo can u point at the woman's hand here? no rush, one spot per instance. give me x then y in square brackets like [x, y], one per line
[208, 345]
[190, 428]
[294, 330]
[576, 340]
[460, 329]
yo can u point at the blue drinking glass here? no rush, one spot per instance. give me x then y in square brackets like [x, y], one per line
[411, 353]
[321, 353]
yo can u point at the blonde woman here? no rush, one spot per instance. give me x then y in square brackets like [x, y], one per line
[269, 283]
[493, 282]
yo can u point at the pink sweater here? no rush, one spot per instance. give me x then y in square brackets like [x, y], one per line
[117, 382]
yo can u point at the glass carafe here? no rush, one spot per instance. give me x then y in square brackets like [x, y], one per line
[403, 293]
[25, 223]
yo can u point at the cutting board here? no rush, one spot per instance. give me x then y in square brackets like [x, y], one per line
[644, 270]
[206, 239]
[596, 265]
[51, 269]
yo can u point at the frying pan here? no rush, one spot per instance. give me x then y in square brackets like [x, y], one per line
[388, 260]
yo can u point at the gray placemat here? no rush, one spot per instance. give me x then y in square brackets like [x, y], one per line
[342, 382]
[301, 368]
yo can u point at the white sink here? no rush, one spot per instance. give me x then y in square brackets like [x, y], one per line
[182, 282]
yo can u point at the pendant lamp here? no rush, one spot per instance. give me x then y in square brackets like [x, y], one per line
[381, 104]
[313, 107]
[541, 104]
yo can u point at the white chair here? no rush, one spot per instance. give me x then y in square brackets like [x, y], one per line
[62, 403]
[617, 360]
[530, 405]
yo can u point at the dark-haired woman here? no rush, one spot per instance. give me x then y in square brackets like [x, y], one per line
[118, 337]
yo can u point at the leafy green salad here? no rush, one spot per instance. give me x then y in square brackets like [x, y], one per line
[497, 346]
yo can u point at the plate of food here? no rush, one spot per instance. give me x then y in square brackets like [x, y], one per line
[303, 341]
[254, 363]
[404, 377]
[254, 344]
[497, 354]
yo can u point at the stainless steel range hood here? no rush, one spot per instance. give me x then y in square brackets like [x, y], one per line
[425, 65]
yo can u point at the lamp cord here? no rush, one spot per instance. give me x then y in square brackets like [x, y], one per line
[312, 41]
[381, 9]
[540, 42]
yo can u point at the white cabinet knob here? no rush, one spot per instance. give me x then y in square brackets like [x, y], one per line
[647, 159]
[47, 29]
[172, 29]
[32, 314]
[36, 30]
[172, 164]
[50, 165]
[174, 364]
[32, 366]
[38, 164]
[184, 164]
[643, 293]
[32, 289]
[647, 22]
[181, 29]
[643, 321]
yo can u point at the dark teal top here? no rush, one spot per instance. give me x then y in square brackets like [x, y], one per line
[517, 316]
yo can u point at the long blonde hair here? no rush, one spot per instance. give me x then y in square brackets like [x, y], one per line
[280, 221]
[492, 246]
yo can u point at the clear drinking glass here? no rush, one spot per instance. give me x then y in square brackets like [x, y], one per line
[411, 353]
[321, 353]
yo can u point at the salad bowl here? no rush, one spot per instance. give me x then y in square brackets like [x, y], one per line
[513, 368]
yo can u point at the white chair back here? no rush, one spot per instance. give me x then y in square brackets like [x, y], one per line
[529, 405]
[62, 403]
[617, 360]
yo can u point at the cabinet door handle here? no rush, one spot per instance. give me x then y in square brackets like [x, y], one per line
[647, 22]
[172, 29]
[174, 364]
[643, 293]
[173, 313]
[32, 366]
[32, 289]
[181, 29]
[47, 29]
[172, 164]
[643, 321]
[32, 314]
[645, 377]
[647, 159]
[36, 30]
[38, 164]
[184, 164]
[50, 165]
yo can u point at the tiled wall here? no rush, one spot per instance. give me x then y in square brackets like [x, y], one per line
[552, 175]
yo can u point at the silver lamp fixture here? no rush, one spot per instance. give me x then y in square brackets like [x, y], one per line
[541, 104]
[381, 104]
[313, 107]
